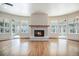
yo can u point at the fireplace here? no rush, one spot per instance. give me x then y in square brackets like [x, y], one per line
[39, 26]
[39, 33]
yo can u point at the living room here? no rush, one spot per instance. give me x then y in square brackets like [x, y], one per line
[39, 29]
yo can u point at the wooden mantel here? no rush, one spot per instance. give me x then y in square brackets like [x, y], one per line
[39, 25]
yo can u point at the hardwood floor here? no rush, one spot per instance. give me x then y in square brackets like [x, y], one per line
[52, 47]
[38, 48]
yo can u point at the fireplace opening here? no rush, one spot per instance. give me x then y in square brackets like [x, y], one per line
[38, 33]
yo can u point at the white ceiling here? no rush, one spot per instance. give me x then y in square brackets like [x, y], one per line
[53, 9]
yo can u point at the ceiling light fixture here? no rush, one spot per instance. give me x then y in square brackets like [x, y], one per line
[9, 4]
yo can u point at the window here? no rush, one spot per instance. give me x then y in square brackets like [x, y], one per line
[72, 26]
[53, 26]
[7, 26]
[1, 30]
[24, 26]
[1, 26]
[15, 27]
[4, 26]
[77, 27]
[1, 23]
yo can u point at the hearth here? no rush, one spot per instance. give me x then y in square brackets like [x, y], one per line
[39, 33]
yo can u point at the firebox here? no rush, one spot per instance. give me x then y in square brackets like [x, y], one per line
[39, 33]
